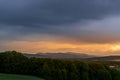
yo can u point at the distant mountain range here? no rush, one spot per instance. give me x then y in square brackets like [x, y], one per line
[68, 55]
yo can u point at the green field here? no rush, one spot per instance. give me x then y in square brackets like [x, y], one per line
[17, 77]
[118, 68]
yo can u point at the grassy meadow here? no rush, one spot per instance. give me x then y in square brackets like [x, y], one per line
[17, 77]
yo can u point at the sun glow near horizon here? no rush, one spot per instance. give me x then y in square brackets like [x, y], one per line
[46, 46]
[116, 48]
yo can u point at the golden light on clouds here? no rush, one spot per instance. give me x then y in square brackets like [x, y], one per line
[46, 46]
[115, 48]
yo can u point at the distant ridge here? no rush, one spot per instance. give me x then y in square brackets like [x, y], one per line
[60, 55]
[105, 58]
[70, 55]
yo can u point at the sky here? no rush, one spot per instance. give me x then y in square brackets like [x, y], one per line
[80, 26]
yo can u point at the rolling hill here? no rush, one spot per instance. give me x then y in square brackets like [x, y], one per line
[105, 58]
[68, 55]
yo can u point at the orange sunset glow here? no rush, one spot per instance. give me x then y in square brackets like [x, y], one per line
[34, 47]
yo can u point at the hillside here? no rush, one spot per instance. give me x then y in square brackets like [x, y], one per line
[13, 62]
[105, 58]
[68, 55]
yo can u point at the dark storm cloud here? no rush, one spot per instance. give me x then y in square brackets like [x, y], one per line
[23, 17]
[53, 12]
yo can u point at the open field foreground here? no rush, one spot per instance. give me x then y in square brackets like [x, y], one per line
[17, 77]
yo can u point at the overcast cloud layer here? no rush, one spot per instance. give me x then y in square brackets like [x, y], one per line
[91, 21]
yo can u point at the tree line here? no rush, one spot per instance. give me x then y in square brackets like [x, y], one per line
[53, 69]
